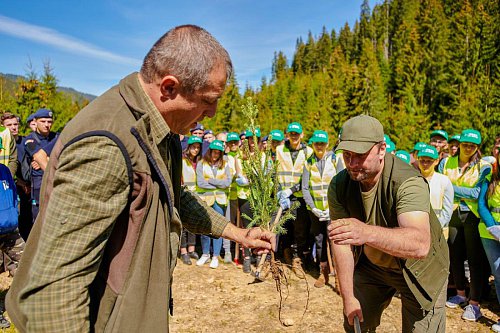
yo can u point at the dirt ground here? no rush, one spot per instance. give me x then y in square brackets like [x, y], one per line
[226, 300]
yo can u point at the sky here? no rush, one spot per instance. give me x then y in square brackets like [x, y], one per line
[92, 44]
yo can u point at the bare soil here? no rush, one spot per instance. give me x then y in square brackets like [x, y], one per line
[227, 300]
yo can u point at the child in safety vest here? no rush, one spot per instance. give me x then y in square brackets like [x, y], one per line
[467, 172]
[318, 172]
[441, 189]
[489, 227]
[190, 158]
[213, 178]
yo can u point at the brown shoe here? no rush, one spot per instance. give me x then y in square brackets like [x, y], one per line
[325, 272]
[320, 282]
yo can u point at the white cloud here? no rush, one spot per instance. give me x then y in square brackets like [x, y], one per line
[54, 38]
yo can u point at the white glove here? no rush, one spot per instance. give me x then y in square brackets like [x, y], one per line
[317, 212]
[284, 194]
[325, 216]
[285, 203]
[242, 180]
[495, 231]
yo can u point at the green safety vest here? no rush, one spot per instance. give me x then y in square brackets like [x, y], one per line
[216, 195]
[494, 207]
[6, 139]
[468, 179]
[233, 188]
[290, 173]
[319, 183]
[188, 175]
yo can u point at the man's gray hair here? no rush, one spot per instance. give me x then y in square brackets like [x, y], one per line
[187, 52]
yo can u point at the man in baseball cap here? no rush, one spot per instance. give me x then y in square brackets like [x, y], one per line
[384, 235]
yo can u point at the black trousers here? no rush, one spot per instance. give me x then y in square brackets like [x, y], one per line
[298, 229]
[465, 244]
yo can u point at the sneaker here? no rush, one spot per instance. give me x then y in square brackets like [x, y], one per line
[496, 327]
[247, 262]
[4, 323]
[228, 258]
[456, 301]
[185, 259]
[215, 262]
[203, 259]
[472, 313]
[194, 255]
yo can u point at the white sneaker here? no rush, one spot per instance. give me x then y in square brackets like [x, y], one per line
[215, 262]
[496, 327]
[203, 259]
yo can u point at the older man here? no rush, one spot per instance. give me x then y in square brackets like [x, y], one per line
[102, 252]
[384, 235]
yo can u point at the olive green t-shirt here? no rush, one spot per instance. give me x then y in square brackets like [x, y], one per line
[413, 195]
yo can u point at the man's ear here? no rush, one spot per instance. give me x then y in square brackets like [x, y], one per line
[169, 87]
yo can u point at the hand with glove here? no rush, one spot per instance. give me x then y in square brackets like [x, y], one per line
[317, 212]
[285, 194]
[495, 231]
[285, 203]
[241, 180]
[325, 216]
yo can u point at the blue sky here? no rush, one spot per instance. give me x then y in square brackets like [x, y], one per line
[92, 44]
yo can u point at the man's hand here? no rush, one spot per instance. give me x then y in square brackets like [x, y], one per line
[261, 241]
[35, 165]
[349, 231]
[352, 308]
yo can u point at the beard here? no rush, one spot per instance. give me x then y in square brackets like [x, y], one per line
[358, 175]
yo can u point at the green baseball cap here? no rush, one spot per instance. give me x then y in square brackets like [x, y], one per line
[470, 135]
[403, 155]
[277, 135]
[419, 146]
[319, 136]
[232, 136]
[428, 151]
[455, 137]
[294, 127]
[390, 146]
[440, 132]
[216, 145]
[359, 134]
[194, 139]
[248, 133]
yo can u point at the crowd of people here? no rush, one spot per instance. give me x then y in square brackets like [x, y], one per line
[104, 227]
[462, 184]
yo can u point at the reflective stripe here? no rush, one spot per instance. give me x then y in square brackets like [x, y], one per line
[188, 175]
[319, 183]
[188, 184]
[285, 173]
[495, 210]
[290, 172]
[468, 179]
[438, 212]
[215, 195]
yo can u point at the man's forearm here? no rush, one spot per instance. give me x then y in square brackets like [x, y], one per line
[344, 266]
[399, 242]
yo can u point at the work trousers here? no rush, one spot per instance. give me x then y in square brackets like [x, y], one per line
[374, 287]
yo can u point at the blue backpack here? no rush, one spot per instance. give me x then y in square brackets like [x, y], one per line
[8, 201]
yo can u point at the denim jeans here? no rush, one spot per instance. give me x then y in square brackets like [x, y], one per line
[492, 249]
[217, 242]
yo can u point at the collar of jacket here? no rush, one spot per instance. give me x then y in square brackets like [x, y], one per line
[143, 108]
